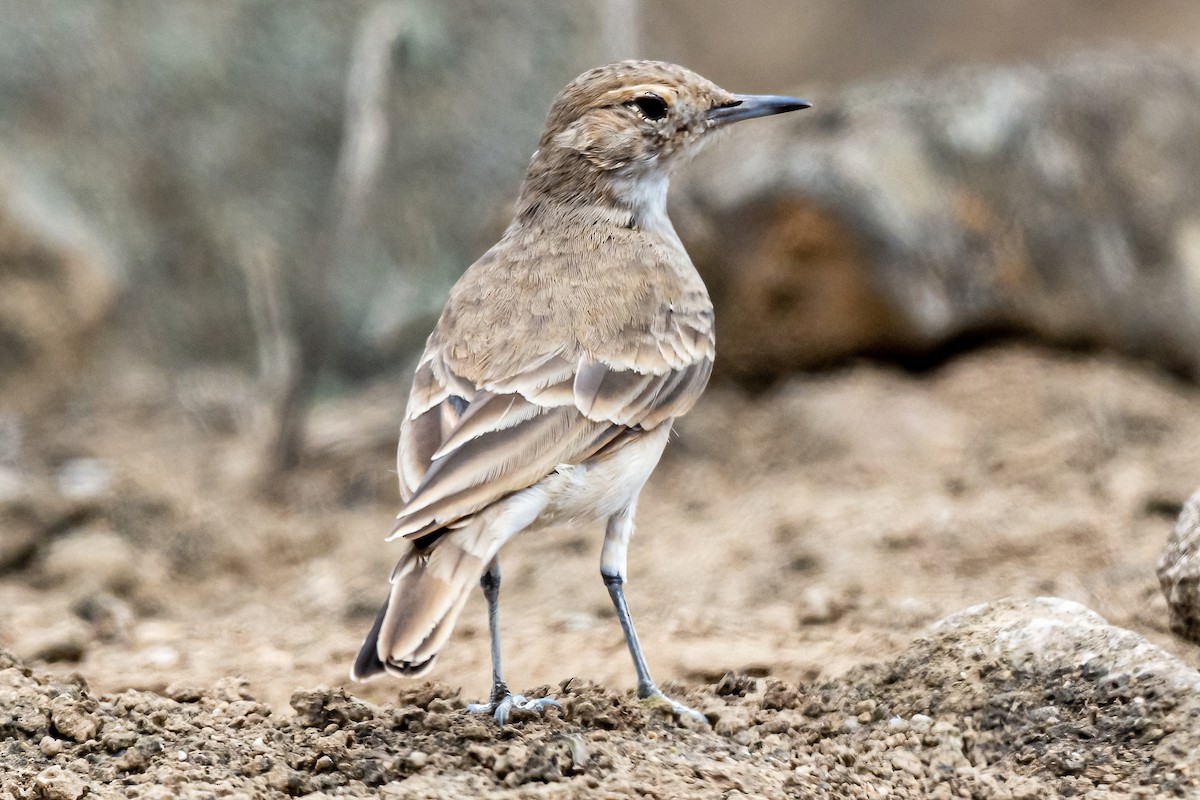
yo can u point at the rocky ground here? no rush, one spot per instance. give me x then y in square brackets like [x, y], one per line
[169, 630]
[1021, 699]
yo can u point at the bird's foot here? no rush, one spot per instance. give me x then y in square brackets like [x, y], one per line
[653, 697]
[504, 702]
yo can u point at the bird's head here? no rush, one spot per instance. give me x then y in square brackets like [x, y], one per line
[629, 122]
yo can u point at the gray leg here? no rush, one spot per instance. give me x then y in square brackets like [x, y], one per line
[490, 583]
[502, 701]
[612, 569]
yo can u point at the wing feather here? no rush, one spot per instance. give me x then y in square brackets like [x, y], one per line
[465, 444]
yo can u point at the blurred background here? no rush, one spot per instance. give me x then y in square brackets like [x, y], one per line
[226, 229]
[358, 156]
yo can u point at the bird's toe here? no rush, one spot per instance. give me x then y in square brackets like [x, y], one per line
[501, 708]
[656, 699]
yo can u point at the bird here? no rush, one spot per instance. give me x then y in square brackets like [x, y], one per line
[547, 390]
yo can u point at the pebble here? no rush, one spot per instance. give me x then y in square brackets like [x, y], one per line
[56, 783]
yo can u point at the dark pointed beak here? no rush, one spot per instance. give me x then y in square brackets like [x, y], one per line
[749, 106]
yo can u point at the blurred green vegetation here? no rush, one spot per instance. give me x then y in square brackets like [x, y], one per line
[197, 137]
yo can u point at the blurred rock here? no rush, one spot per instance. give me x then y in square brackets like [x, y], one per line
[56, 288]
[1179, 572]
[110, 616]
[821, 605]
[31, 512]
[907, 216]
[12, 485]
[84, 478]
[93, 560]
[67, 640]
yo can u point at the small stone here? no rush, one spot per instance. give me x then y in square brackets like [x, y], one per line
[324, 764]
[578, 750]
[73, 719]
[820, 606]
[736, 684]
[56, 783]
[941, 792]
[780, 695]
[138, 757]
[184, 693]
[50, 746]
[484, 755]
[732, 721]
[510, 760]
[416, 759]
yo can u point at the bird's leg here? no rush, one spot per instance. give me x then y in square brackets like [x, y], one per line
[502, 701]
[612, 569]
[490, 583]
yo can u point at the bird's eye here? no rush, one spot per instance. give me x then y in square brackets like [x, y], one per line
[652, 106]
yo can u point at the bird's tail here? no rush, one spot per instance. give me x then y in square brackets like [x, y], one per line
[429, 588]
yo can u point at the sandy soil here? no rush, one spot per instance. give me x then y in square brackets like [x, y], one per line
[790, 538]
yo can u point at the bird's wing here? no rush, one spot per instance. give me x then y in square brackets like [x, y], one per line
[466, 444]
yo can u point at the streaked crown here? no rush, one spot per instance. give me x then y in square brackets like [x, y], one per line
[616, 127]
[635, 112]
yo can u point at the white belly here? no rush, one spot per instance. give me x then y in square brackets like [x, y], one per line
[588, 492]
[601, 487]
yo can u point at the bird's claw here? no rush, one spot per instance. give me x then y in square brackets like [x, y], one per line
[501, 708]
[656, 699]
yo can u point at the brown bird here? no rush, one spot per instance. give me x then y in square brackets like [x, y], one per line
[547, 389]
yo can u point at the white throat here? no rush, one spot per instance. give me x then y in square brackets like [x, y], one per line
[645, 192]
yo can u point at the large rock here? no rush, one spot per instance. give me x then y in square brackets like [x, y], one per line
[905, 216]
[1047, 700]
[1179, 572]
[1046, 638]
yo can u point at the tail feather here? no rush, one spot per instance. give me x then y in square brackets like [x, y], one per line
[429, 589]
[368, 663]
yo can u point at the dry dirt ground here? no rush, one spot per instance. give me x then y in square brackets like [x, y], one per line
[173, 633]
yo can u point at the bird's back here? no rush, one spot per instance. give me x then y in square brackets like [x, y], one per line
[574, 285]
[569, 331]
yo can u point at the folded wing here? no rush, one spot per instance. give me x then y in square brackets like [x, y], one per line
[466, 444]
